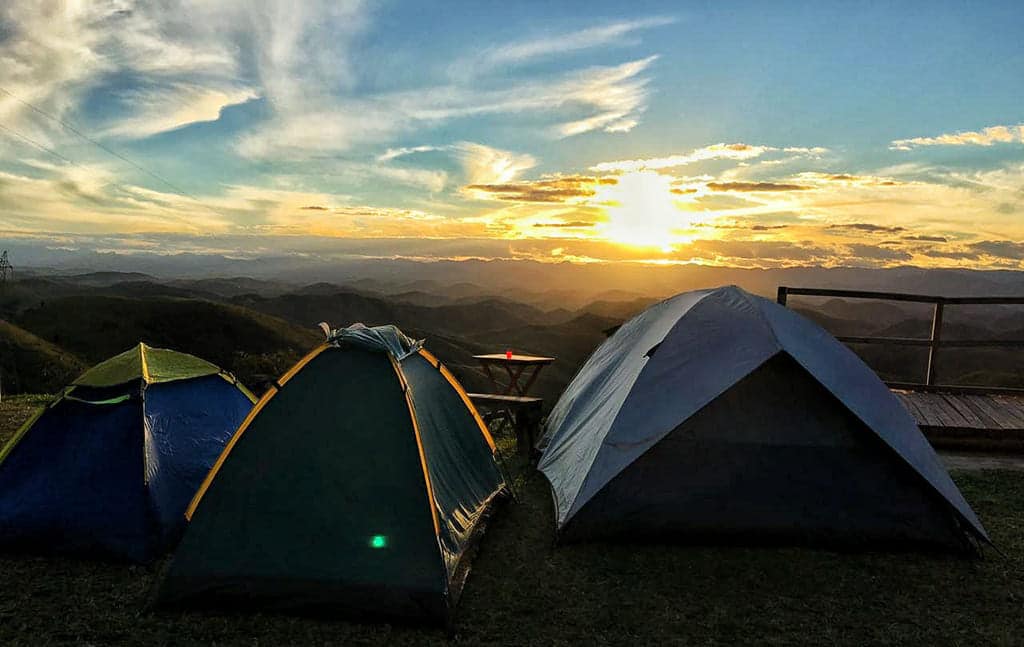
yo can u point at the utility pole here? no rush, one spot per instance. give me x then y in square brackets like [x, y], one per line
[6, 269]
[6, 272]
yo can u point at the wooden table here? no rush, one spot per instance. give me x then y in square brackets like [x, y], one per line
[518, 368]
[510, 401]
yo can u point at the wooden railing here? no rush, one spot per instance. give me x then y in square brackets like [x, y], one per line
[933, 343]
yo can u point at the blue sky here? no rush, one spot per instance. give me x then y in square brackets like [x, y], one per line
[732, 133]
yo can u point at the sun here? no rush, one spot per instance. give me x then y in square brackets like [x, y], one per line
[642, 211]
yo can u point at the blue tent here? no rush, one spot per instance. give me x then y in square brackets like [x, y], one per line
[109, 467]
[717, 414]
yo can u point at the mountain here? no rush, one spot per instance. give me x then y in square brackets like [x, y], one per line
[253, 345]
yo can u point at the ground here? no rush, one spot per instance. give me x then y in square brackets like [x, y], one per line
[524, 590]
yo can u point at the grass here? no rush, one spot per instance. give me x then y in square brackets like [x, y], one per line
[523, 590]
[30, 364]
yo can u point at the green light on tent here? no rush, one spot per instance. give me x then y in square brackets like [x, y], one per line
[379, 541]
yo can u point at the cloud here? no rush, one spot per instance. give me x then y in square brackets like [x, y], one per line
[877, 252]
[712, 152]
[813, 151]
[395, 153]
[755, 186]
[849, 179]
[56, 55]
[173, 107]
[485, 165]
[984, 137]
[572, 224]
[589, 38]
[560, 189]
[609, 98]
[867, 228]
[927, 239]
[1006, 249]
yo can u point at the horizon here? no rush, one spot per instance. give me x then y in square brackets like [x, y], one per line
[737, 137]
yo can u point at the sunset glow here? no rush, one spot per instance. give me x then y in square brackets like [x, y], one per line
[642, 210]
[332, 129]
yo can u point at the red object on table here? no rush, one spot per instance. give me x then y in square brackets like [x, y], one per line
[508, 354]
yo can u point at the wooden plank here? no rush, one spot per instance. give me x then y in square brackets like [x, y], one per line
[929, 415]
[497, 397]
[972, 420]
[502, 358]
[972, 402]
[907, 399]
[997, 413]
[1012, 406]
[949, 415]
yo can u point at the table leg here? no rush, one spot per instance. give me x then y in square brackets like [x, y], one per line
[532, 379]
[513, 384]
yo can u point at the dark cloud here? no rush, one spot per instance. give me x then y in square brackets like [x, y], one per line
[573, 223]
[755, 186]
[1007, 249]
[956, 253]
[878, 253]
[686, 191]
[765, 250]
[927, 239]
[314, 207]
[866, 227]
[1007, 208]
[559, 189]
[744, 226]
[847, 177]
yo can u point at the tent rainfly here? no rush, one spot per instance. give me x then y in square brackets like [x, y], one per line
[355, 486]
[719, 415]
[108, 468]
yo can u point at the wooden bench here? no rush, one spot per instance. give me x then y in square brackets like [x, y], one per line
[522, 412]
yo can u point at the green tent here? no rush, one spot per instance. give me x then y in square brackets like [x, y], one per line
[108, 468]
[356, 484]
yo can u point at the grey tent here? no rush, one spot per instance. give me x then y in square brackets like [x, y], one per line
[721, 415]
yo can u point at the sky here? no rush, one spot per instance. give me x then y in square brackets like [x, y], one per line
[744, 134]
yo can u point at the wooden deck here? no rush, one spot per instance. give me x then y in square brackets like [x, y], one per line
[960, 419]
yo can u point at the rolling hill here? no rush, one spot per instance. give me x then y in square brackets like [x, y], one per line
[29, 364]
[253, 345]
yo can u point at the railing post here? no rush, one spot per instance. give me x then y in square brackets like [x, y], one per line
[935, 339]
[783, 294]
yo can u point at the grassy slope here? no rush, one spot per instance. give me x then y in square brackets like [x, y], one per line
[523, 590]
[31, 364]
[240, 340]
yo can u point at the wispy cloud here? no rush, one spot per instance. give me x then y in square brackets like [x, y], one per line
[485, 165]
[715, 151]
[395, 153]
[176, 106]
[53, 55]
[611, 34]
[984, 137]
[481, 164]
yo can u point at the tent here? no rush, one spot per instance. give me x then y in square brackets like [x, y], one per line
[107, 469]
[355, 486]
[719, 415]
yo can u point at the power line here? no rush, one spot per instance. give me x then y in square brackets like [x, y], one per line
[45, 149]
[100, 145]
